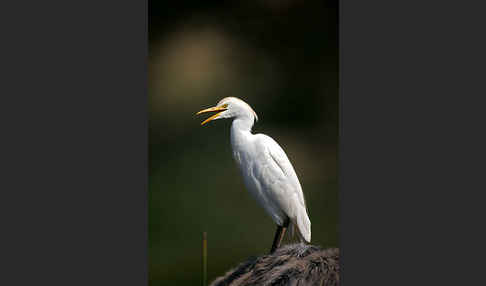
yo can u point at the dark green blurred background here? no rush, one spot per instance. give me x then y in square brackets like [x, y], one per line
[282, 58]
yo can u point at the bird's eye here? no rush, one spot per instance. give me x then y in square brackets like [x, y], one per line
[224, 105]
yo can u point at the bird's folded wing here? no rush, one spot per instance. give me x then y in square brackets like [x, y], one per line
[281, 161]
[281, 185]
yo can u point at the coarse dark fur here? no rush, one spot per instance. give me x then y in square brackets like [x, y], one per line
[294, 264]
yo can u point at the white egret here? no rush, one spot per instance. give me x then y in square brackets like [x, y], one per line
[267, 172]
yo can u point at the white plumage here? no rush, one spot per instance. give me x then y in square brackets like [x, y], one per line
[267, 172]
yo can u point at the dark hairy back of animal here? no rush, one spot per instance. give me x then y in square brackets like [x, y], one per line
[294, 264]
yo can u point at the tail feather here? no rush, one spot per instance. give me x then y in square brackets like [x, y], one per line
[303, 225]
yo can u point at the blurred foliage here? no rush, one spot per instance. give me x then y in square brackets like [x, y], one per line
[282, 58]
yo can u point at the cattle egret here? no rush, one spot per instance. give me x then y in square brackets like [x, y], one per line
[267, 172]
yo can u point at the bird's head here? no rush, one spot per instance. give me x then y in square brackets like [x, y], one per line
[230, 107]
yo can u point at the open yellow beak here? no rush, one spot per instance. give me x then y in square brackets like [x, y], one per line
[212, 109]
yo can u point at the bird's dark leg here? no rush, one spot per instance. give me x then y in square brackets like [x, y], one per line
[279, 234]
[278, 238]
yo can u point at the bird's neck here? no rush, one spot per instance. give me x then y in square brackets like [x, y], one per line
[242, 124]
[240, 132]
